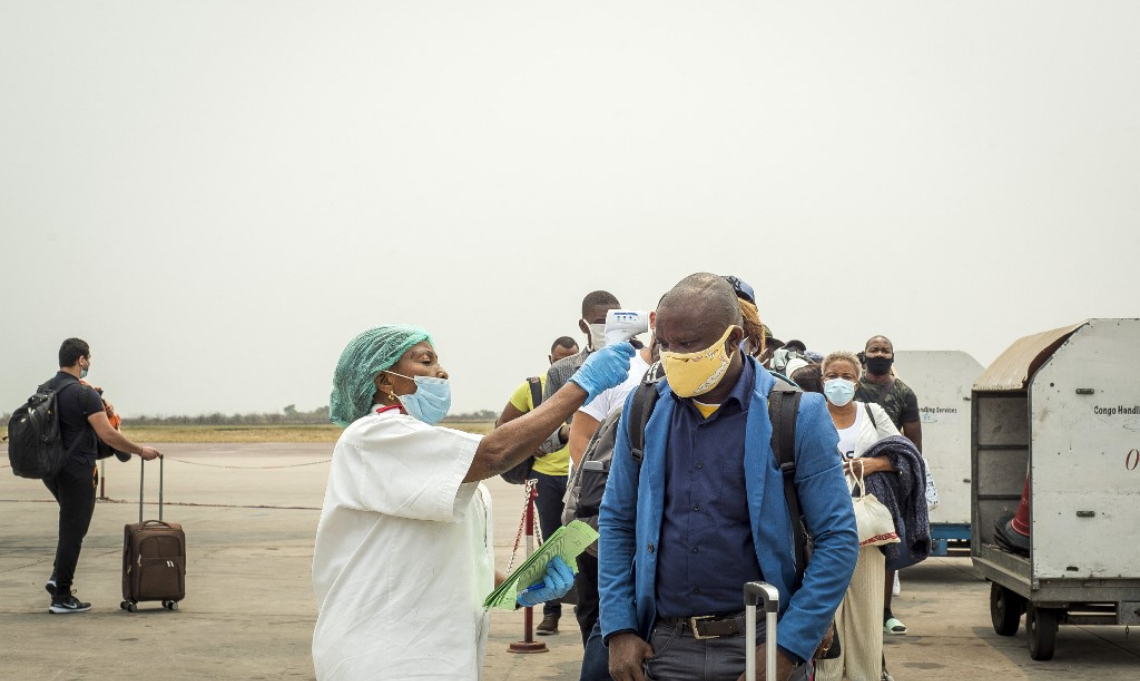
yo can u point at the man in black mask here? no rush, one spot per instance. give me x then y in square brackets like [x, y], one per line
[879, 385]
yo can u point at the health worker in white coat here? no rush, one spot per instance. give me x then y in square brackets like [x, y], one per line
[404, 555]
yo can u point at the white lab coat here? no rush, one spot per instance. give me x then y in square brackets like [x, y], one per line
[404, 555]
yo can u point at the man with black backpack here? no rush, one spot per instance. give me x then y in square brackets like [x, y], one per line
[82, 423]
[549, 470]
[695, 506]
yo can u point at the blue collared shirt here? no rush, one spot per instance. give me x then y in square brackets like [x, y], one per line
[706, 550]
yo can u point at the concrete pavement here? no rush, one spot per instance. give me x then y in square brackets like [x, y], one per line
[250, 512]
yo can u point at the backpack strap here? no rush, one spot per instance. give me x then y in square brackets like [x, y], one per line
[643, 402]
[783, 406]
[871, 415]
[535, 391]
[75, 443]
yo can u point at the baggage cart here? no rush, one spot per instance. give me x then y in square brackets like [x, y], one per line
[1062, 407]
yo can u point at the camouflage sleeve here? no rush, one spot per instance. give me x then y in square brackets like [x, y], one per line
[556, 377]
[909, 412]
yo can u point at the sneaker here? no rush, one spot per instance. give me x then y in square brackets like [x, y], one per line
[68, 604]
[548, 626]
[50, 587]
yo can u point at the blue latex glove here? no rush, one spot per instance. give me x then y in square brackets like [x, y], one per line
[555, 583]
[604, 369]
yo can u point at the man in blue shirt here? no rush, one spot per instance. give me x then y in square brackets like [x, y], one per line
[705, 510]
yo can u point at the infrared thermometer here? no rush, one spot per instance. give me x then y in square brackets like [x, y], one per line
[621, 325]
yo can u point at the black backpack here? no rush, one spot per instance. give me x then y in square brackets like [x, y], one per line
[589, 482]
[521, 472]
[35, 443]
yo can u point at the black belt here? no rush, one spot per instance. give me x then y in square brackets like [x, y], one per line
[709, 626]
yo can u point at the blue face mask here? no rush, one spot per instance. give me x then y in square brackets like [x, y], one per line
[431, 400]
[83, 371]
[839, 391]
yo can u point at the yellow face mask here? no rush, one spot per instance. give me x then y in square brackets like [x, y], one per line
[695, 373]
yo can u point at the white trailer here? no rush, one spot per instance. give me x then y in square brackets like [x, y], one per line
[1063, 405]
[942, 380]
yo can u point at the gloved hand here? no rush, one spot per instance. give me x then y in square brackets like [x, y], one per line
[604, 369]
[555, 583]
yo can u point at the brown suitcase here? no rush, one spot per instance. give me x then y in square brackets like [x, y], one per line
[154, 557]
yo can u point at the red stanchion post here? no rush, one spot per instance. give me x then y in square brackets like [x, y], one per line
[528, 644]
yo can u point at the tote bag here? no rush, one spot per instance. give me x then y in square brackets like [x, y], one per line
[873, 519]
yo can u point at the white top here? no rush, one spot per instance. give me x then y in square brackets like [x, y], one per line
[609, 401]
[403, 557]
[859, 436]
[848, 435]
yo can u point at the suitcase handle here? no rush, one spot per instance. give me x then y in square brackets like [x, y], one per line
[161, 480]
[770, 597]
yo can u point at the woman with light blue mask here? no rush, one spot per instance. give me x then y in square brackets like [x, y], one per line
[858, 621]
[404, 554]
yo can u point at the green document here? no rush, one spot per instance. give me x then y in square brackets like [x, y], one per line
[568, 541]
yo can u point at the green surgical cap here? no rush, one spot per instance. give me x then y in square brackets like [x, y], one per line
[365, 356]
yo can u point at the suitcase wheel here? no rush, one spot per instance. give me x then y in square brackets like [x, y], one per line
[129, 606]
[170, 605]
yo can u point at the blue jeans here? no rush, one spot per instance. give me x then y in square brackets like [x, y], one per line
[596, 658]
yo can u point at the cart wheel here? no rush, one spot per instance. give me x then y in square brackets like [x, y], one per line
[1005, 609]
[170, 605]
[1041, 625]
[132, 607]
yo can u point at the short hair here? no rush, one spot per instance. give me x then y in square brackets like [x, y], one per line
[71, 350]
[716, 296]
[878, 337]
[809, 378]
[841, 356]
[563, 342]
[595, 298]
[793, 344]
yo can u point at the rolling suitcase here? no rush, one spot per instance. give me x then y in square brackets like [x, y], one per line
[154, 557]
[770, 598]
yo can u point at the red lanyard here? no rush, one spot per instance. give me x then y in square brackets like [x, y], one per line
[390, 407]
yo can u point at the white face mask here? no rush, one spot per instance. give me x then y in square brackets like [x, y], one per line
[597, 336]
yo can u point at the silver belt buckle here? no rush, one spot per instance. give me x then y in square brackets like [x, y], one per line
[697, 632]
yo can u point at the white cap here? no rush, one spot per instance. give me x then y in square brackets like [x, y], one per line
[796, 363]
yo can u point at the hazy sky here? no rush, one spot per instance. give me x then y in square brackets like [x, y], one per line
[219, 195]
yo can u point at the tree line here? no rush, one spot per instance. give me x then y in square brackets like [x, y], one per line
[289, 415]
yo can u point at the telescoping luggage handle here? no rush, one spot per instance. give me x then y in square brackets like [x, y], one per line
[142, 476]
[767, 594]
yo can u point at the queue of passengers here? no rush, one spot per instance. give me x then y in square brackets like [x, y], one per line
[404, 552]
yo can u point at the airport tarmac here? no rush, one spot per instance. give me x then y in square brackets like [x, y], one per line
[250, 512]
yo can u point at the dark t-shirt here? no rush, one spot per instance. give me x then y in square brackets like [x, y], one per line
[75, 404]
[896, 398]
